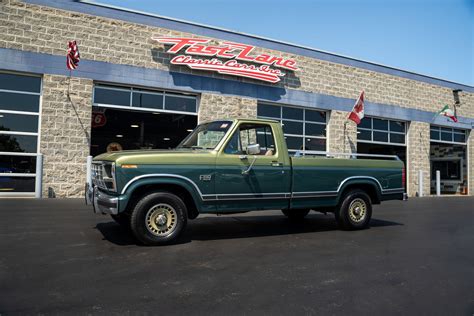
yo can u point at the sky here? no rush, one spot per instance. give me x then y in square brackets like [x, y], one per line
[430, 37]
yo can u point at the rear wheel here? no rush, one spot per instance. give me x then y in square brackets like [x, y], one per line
[158, 218]
[355, 210]
[295, 214]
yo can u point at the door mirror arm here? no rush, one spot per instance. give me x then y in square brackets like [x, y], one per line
[247, 171]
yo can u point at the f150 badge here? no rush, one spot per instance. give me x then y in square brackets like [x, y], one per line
[205, 177]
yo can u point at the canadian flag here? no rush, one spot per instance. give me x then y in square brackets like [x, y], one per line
[357, 113]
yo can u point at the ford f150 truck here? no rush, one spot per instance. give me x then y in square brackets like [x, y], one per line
[232, 166]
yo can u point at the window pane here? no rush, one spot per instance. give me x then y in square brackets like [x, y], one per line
[446, 129]
[364, 135]
[177, 103]
[434, 134]
[315, 144]
[145, 100]
[366, 122]
[315, 116]
[315, 129]
[19, 102]
[293, 142]
[380, 137]
[292, 127]
[397, 138]
[292, 113]
[461, 131]
[17, 184]
[396, 126]
[447, 136]
[380, 124]
[460, 138]
[113, 97]
[18, 143]
[268, 110]
[18, 122]
[17, 164]
[20, 83]
[265, 139]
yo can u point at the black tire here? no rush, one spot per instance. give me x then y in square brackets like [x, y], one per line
[158, 218]
[355, 210]
[295, 214]
[122, 219]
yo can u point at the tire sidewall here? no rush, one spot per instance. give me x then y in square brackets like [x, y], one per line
[344, 218]
[138, 218]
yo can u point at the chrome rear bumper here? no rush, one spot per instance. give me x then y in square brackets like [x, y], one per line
[102, 203]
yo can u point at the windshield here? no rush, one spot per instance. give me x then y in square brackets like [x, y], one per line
[206, 136]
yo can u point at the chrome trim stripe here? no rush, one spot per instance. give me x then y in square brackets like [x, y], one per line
[161, 175]
[249, 196]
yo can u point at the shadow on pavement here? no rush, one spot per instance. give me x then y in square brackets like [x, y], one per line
[227, 227]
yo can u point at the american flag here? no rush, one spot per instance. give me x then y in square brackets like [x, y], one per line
[72, 55]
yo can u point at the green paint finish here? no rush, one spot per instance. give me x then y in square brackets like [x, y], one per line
[220, 182]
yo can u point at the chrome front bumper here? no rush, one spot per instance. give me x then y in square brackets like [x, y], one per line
[101, 202]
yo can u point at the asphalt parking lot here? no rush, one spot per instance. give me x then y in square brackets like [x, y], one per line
[417, 258]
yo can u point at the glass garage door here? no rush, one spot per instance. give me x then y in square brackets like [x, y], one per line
[19, 122]
[128, 118]
[304, 129]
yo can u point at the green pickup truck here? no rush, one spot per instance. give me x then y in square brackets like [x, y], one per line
[233, 166]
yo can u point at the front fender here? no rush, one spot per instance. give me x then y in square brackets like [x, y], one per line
[140, 181]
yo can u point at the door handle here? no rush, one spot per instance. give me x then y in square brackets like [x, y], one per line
[276, 164]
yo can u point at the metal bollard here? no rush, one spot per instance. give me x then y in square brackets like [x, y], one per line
[420, 183]
[88, 170]
[39, 177]
[438, 183]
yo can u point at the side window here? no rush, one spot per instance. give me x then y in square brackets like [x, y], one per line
[251, 134]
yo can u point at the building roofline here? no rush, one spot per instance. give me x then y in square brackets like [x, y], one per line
[130, 15]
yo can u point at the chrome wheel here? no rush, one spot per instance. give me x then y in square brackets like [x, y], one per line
[161, 219]
[357, 210]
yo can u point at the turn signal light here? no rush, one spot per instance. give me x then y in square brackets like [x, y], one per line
[129, 166]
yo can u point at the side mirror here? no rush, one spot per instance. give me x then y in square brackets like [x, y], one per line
[253, 149]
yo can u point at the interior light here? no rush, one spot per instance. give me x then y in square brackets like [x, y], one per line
[133, 125]
[166, 138]
[1, 115]
[189, 130]
[118, 136]
[156, 113]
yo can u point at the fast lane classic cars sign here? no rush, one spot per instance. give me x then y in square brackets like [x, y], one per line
[228, 58]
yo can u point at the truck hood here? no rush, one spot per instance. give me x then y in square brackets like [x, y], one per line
[153, 156]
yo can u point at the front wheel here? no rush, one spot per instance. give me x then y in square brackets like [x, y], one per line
[158, 218]
[295, 214]
[355, 210]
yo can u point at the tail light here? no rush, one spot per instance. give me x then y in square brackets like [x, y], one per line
[404, 177]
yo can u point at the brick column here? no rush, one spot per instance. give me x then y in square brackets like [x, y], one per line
[418, 157]
[216, 106]
[63, 141]
[340, 140]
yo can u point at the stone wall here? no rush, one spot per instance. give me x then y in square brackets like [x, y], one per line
[418, 157]
[47, 30]
[341, 133]
[215, 106]
[63, 141]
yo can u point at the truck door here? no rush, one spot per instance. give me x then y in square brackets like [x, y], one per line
[250, 179]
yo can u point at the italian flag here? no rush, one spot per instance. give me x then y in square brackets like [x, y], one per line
[446, 111]
[357, 113]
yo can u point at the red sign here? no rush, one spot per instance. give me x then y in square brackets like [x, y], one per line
[234, 52]
[98, 119]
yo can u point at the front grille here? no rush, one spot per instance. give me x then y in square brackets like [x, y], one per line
[102, 176]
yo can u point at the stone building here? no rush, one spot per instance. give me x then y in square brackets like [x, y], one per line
[132, 90]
